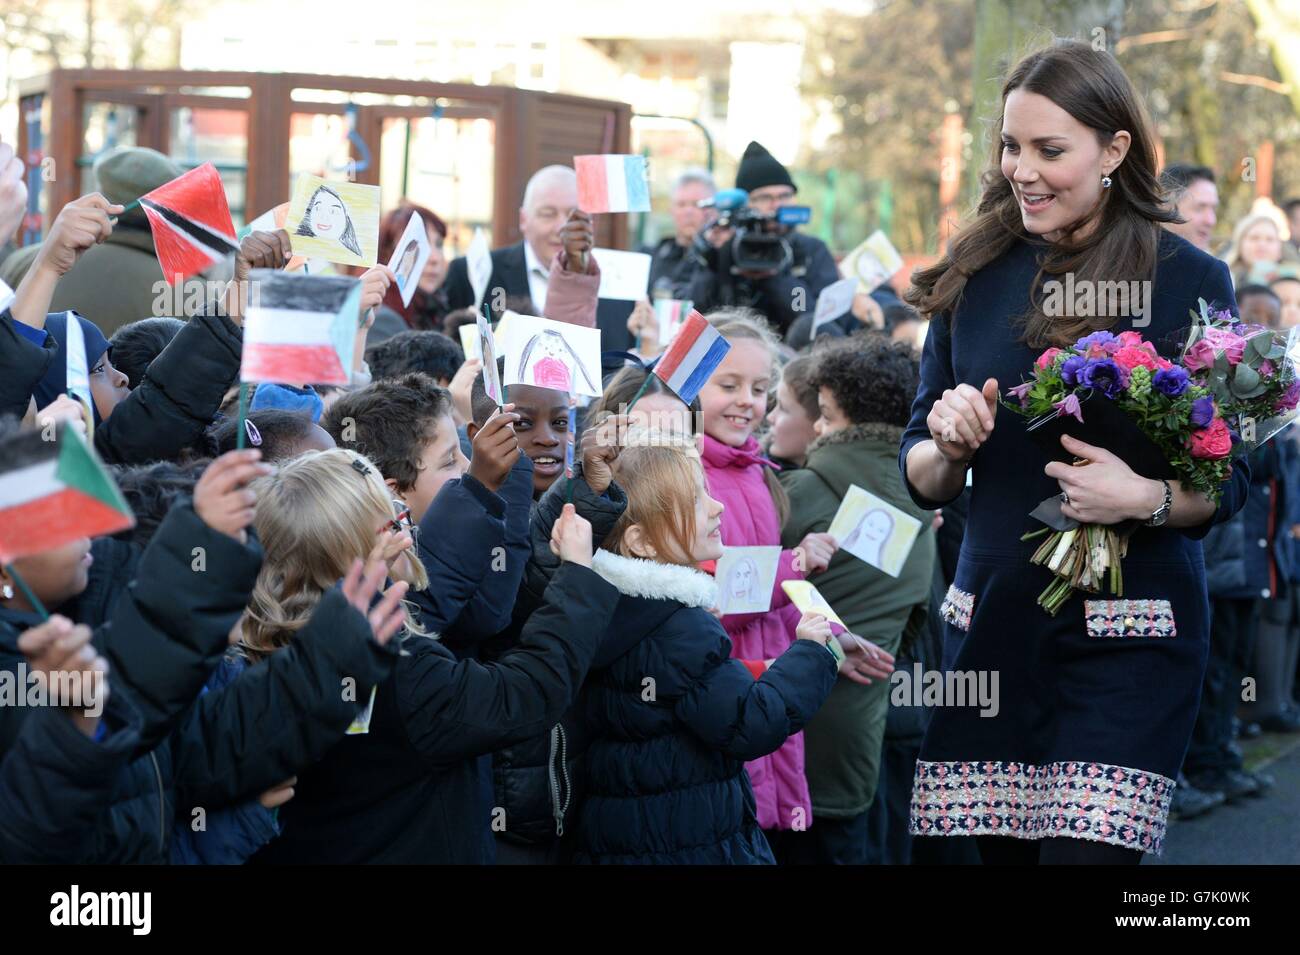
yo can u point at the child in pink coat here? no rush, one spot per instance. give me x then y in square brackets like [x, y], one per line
[733, 403]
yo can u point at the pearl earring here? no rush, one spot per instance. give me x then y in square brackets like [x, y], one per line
[1105, 182]
[7, 592]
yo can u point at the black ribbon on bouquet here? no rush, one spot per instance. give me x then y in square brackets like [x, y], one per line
[1104, 425]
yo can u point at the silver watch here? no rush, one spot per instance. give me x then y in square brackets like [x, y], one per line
[1161, 513]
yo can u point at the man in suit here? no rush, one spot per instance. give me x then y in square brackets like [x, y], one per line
[521, 271]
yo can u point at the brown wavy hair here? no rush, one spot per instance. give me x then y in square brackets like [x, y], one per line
[1091, 86]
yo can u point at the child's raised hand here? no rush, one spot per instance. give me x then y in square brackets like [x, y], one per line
[262, 250]
[598, 448]
[362, 582]
[63, 408]
[864, 662]
[13, 193]
[813, 626]
[74, 675]
[277, 796]
[222, 498]
[814, 553]
[495, 449]
[571, 537]
[83, 222]
[374, 286]
[644, 324]
[578, 237]
[462, 390]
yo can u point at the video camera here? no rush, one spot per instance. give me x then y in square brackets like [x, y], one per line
[760, 243]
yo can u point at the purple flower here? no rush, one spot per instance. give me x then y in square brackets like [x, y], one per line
[1106, 376]
[1070, 405]
[1202, 412]
[1020, 391]
[1103, 340]
[1070, 369]
[1171, 381]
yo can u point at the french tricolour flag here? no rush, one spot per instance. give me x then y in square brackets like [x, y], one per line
[690, 359]
[301, 329]
[612, 183]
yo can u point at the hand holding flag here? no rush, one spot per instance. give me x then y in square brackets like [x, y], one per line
[80, 224]
[222, 498]
[258, 250]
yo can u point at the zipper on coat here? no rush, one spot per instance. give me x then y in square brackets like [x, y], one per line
[162, 806]
[559, 750]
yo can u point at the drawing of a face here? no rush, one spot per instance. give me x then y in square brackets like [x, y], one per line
[744, 576]
[327, 216]
[868, 539]
[404, 267]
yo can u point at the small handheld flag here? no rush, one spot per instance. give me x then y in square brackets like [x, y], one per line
[300, 329]
[694, 353]
[77, 371]
[191, 222]
[53, 492]
[615, 183]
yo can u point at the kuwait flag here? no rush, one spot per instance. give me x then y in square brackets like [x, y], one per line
[299, 329]
[612, 183]
[696, 350]
[191, 222]
[53, 492]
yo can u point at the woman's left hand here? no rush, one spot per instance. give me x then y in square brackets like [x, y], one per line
[1105, 490]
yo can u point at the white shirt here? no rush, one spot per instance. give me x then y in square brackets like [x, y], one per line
[538, 277]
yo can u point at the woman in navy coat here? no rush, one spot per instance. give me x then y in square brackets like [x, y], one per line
[1096, 704]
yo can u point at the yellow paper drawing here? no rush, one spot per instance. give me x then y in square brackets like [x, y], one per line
[874, 531]
[335, 221]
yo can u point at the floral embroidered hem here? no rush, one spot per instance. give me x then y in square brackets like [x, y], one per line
[1079, 800]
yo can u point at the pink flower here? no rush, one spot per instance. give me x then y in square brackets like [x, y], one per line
[1200, 356]
[1127, 339]
[1131, 356]
[1164, 364]
[1289, 400]
[1021, 391]
[1266, 368]
[1233, 346]
[1046, 358]
[1070, 405]
[1212, 442]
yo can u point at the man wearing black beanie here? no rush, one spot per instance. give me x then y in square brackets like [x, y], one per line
[782, 296]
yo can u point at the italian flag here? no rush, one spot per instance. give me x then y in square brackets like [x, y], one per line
[53, 492]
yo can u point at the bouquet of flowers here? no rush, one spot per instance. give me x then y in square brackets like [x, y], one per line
[1178, 417]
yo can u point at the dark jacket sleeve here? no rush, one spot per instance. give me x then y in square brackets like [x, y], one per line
[1216, 288]
[22, 364]
[788, 296]
[56, 783]
[172, 624]
[229, 837]
[456, 538]
[283, 713]
[489, 610]
[936, 377]
[601, 510]
[179, 396]
[454, 710]
[460, 294]
[746, 718]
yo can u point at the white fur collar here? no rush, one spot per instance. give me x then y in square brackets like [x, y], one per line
[647, 578]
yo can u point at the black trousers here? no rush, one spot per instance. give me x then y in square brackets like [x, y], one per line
[1233, 625]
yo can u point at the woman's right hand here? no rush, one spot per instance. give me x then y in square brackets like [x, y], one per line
[962, 420]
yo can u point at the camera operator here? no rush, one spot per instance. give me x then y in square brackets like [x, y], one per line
[753, 256]
[672, 265]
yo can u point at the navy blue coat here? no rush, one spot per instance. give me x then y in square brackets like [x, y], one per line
[673, 719]
[1096, 704]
